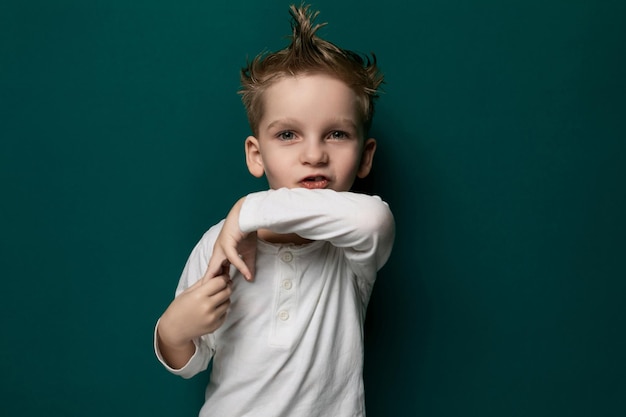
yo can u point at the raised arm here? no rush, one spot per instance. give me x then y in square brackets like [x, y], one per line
[361, 224]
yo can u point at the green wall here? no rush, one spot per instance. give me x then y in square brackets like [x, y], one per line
[502, 151]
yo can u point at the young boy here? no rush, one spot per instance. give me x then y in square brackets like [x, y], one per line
[286, 333]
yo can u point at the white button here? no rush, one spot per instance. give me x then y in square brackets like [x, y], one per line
[283, 315]
[287, 284]
[287, 257]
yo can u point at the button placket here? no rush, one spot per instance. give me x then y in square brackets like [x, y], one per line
[286, 301]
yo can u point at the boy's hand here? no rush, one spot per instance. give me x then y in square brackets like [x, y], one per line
[232, 246]
[198, 310]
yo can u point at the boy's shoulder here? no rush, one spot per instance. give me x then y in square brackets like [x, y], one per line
[204, 246]
[211, 234]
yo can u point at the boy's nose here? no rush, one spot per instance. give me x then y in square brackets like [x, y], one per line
[314, 153]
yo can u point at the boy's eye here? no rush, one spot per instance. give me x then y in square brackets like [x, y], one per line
[286, 135]
[338, 134]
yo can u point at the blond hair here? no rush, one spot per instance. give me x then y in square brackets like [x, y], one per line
[309, 54]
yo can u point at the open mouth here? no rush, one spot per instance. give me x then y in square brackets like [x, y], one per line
[314, 182]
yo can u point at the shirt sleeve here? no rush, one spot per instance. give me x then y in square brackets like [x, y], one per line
[361, 224]
[194, 270]
[197, 363]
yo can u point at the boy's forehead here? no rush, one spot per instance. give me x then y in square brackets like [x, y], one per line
[310, 95]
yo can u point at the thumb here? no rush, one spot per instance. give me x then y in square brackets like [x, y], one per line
[223, 270]
[195, 285]
[216, 268]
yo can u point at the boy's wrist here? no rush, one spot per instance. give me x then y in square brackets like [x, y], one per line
[174, 355]
[164, 337]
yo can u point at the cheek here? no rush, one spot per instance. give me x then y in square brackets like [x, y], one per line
[275, 166]
[350, 161]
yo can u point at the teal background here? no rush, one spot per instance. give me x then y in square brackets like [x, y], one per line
[502, 152]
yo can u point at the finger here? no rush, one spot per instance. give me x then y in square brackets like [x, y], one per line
[214, 319]
[221, 310]
[216, 284]
[221, 296]
[218, 265]
[222, 306]
[236, 259]
[221, 318]
[250, 260]
[247, 248]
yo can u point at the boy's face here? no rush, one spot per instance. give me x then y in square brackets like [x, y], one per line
[310, 135]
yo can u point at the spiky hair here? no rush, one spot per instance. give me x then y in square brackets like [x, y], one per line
[309, 54]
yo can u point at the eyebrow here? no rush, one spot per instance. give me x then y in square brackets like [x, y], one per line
[291, 122]
[282, 122]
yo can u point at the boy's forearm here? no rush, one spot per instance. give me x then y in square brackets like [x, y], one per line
[175, 356]
[343, 218]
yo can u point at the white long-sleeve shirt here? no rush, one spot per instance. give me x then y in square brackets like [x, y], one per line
[292, 342]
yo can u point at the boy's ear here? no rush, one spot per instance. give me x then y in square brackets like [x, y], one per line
[367, 158]
[253, 157]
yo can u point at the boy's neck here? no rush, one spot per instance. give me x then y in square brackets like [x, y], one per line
[271, 237]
